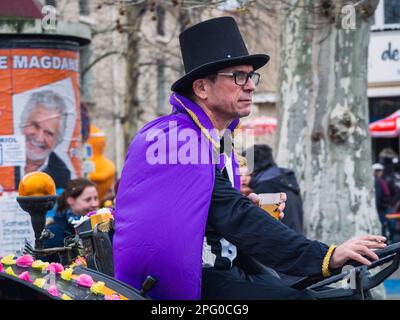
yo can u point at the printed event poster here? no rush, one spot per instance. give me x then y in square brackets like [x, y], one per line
[40, 124]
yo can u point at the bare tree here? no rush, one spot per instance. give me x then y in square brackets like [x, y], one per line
[133, 110]
[323, 114]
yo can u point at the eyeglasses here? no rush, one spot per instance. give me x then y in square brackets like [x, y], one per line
[242, 77]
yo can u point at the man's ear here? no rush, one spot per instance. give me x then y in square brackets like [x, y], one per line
[199, 88]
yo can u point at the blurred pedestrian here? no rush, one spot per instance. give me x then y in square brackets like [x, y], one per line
[382, 200]
[267, 177]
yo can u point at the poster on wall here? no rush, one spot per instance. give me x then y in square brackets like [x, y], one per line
[40, 124]
[15, 225]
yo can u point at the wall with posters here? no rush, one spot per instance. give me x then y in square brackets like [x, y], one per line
[40, 123]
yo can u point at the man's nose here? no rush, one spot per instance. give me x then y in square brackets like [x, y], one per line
[39, 135]
[249, 86]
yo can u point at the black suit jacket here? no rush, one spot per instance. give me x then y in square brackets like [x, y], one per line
[57, 169]
[256, 234]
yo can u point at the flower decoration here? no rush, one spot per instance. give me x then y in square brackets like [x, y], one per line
[39, 282]
[25, 276]
[97, 288]
[66, 274]
[65, 297]
[24, 261]
[55, 267]
[1, 268]
[85, 280]
[91, 213]
[39, 264]
[10, 271]
[8, 260]
[53, 291]
[79, 261]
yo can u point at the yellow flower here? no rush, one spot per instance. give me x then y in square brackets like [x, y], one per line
[8, 260]
[39, 282]
[108, 203]
[97, 288]
[66, 274]
[65, 297]
[39, 264]
[10, 271]
[79, 261]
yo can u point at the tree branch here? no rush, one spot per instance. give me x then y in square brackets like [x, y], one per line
[90, 65]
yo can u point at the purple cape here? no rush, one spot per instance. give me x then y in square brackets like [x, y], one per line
[162, 208]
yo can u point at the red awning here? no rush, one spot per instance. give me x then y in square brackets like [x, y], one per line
[260, 125]
[388, 127]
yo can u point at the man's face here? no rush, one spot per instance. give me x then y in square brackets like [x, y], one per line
[227, 99]
[378, 173]
[41, 133]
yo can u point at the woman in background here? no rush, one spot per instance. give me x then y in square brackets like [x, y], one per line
[78, 199]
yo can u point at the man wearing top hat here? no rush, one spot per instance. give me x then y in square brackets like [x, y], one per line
[182, 219]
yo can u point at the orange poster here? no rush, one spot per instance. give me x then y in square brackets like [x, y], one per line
[40, 114]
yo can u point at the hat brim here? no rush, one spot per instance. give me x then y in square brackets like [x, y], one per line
[184, 84]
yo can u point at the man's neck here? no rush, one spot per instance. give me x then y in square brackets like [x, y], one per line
[33, 165]
[219, 123]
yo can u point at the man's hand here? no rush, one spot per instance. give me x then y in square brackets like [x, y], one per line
[355, 249]
[255, 199]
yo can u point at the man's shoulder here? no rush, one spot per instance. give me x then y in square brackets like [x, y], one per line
[177, 126]
[168, 122]
[58, 170]
[55, 159]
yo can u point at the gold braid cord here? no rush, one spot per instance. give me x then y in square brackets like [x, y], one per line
[242, 160]
[197, 121]
[325, 262]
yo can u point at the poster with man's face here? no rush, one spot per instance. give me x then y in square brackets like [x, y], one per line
[46, 116]
[39, 102]
[40, 129]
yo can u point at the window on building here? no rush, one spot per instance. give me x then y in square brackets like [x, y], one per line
[161, 72]
[387, 15]
[392, 11]
[161, 87]
[160, 13]
[51, 3]
[231, 5]
[84, 7]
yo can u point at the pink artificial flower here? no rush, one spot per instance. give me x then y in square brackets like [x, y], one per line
[24, 261]
[112, 297]
[53, 291]
[1, 267]
[85, 280]
[25, 276]
[55, 267]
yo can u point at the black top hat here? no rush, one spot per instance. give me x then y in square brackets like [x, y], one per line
[210, 46]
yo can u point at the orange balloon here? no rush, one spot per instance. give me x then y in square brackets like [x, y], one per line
[37, 184]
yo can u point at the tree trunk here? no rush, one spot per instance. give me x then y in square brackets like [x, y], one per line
[133, 110]
[323, 115]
